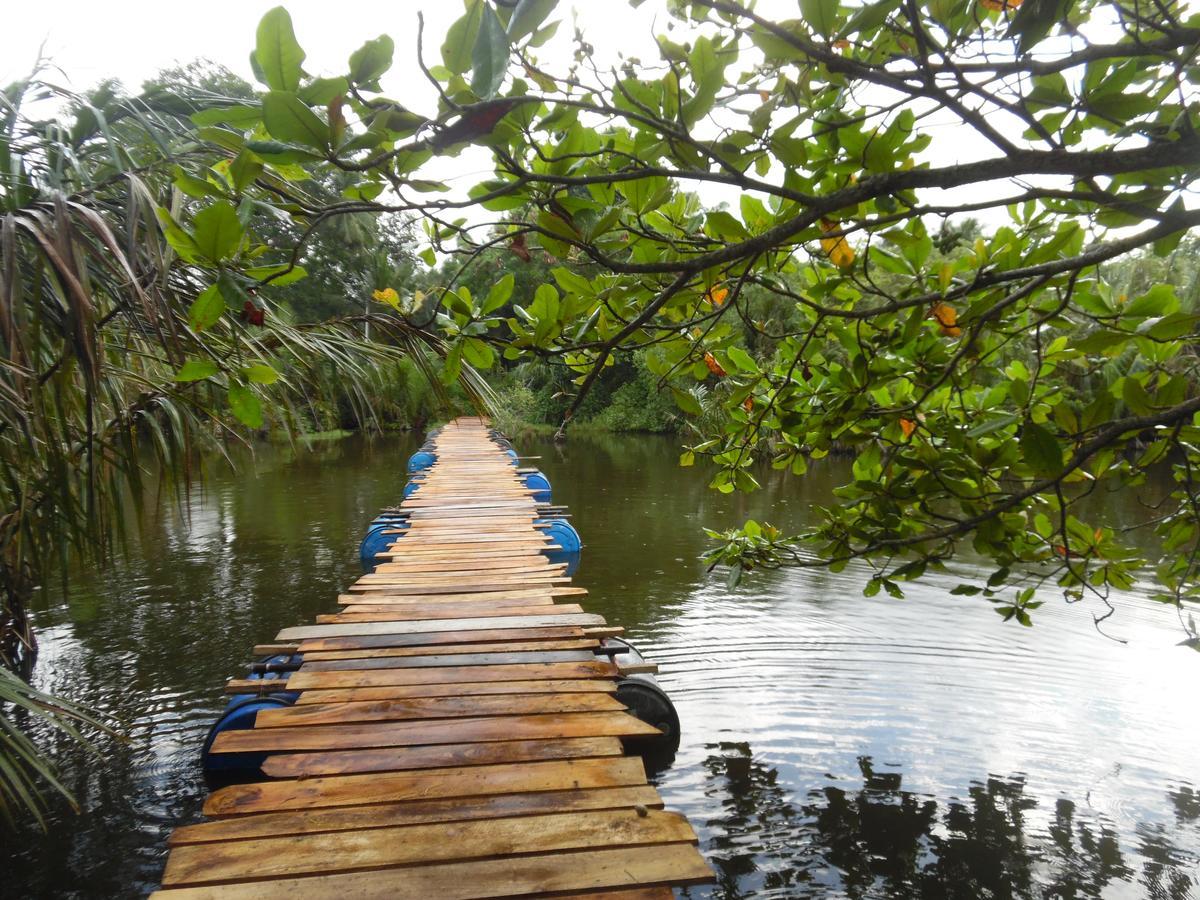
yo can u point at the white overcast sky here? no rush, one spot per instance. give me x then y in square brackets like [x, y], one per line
[90, 40]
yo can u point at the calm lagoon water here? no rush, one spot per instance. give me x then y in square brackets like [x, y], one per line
[833, 746]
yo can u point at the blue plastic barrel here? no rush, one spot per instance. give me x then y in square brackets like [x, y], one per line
[420, 461]
[411, 488]
[537, 481]
[512, 454]
[241, 714]
[375, 541]
[569, 544]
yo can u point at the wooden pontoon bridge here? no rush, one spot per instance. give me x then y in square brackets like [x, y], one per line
[456, 733]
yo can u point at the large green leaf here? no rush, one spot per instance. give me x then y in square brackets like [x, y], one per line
[218, 232]
[490, 57]
[1041, 450]
[245, 405]
[289, 120]
[277, 52]
[461, 36]
[206, 309]
[196, 370]
[528, 17]
[371, 60]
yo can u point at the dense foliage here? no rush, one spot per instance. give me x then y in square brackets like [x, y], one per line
[128, 343]
[973, 381]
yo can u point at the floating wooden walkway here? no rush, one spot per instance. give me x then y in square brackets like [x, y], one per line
[457, 736]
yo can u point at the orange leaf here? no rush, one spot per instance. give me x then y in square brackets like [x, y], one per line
[999, 5]
[764, 96]
[716, 295]
[843, 44]
[840, 253]
[713, 365]
[947, 318]
[748, 404]
[908, 426]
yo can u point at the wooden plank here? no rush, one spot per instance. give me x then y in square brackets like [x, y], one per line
[532, 563]
[340, 851]
[430, 784]
[467, 730]
[453, 649]
[459, 588]
[463, 689]
[453, 611]
[433, 638]
[304, 681]
[383, 597]
[274, 649]
[666, 864]
[512, 658]
[414, 812]
[439, 756]
[366, 628]
[434, 708]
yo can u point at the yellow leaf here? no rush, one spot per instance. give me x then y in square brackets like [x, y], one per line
[840, 253]
[716, 295]
[388, 296]
[947, 318]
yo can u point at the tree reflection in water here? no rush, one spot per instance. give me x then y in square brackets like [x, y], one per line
[878, 840]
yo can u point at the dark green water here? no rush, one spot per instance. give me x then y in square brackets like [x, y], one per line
[833, 745]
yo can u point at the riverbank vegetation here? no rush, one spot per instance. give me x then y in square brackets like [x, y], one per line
[763, 240]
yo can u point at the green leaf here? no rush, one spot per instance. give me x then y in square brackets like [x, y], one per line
[821, 15]
[741, 359]
[687, 402]
[279, 155]
[196, 370]
[1041, 450]
[499, 294]
[322, 91]
[260, 272]
[460, 38]
[195, 187]
[289, 120]
[260, 373]
[180, 240]
[477, 353]
[245, 406]
[218, 232]
[239, 116]
[528, 17]
[372, 59]
[277, 52]
[206, 309]
[489, 59]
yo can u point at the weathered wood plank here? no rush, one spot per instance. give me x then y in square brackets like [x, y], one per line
[438, 756]
[341, 851]
[365, 628]
[474, 729]
[452, 649]
[430, 638]
[456, 689]
[414, 812]
[304, 681]
[434, 708]
[463, 659]
[452, 611]
[670, 864]
[392, 787]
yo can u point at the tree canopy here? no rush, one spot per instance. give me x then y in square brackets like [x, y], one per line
[984, 387]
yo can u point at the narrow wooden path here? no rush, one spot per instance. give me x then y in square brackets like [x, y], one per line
[457, 736]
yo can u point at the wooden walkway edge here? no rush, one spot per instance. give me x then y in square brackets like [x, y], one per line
[456, 736]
